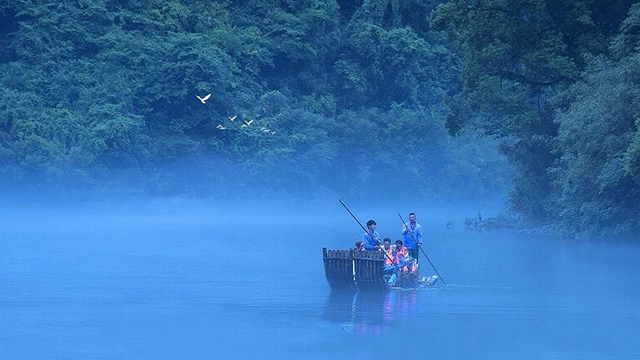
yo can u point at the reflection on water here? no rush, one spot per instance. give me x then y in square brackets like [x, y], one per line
[365, 313]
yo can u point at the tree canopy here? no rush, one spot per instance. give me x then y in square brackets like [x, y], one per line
[393, 98]
[100, 93]
[554, 80]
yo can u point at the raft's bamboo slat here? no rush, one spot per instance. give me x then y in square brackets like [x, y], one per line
[369, 270]
[339, 268]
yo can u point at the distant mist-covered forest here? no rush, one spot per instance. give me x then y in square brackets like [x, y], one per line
[372, 99]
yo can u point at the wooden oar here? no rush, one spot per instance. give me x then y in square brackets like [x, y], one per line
[418, 245]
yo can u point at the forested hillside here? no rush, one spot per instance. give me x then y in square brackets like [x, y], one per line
[558, 83]
[102, 94]
[367, 98]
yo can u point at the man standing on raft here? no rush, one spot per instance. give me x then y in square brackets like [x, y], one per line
[412, 236]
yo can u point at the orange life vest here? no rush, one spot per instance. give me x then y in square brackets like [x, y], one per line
[399, 253]
[388, 256]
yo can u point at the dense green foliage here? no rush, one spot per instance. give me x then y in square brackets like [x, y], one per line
[557, 82]
[381, 98]
[100, 93]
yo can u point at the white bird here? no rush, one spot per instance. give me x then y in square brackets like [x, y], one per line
[221, 127]
[243, 126]
[273, 132]
[233, 118]
[203, 100]
[248, 123]
[265, 130]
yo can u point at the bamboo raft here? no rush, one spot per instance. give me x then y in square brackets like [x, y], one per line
[364, 270]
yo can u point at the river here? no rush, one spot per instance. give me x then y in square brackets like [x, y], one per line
[247, 286]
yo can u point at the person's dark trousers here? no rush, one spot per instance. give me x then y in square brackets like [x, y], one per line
[414, 253]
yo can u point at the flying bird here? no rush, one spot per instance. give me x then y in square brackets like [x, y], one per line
[233, 118]
[248, 123]
[273, 132]
[203, 100]
[221, 127]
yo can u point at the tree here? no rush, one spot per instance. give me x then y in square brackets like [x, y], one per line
[517, 57]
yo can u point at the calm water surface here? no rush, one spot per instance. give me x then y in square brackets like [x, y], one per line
[179, 287]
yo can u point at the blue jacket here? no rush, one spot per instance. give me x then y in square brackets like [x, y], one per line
[408, 241]
[370, 243]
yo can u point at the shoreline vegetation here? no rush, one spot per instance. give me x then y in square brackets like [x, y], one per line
[512, 223]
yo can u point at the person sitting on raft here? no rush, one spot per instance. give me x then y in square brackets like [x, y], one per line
[395, 259]
[407, 262]
[387, 249]
[389, 261]
[371, 237]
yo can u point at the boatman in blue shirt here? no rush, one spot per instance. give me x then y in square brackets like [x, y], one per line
[371, 238]
[412, 236]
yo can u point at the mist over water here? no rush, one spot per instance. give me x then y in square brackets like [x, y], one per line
[200, 282]
[140, 221]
